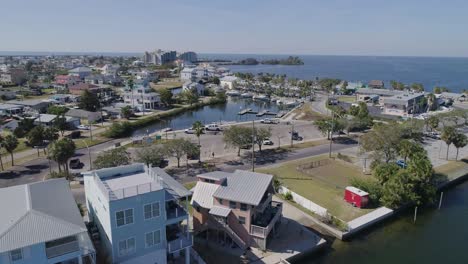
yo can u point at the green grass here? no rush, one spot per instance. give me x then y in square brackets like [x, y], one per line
[80, 143]
[453, 169]
[323, 185]
[190, 185]
[348, 99]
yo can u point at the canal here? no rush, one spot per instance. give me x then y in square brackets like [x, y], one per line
[227, 112]
[439, 236]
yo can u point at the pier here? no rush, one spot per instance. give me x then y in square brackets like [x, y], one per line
[266, 112]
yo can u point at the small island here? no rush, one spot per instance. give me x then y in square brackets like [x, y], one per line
[288, 61]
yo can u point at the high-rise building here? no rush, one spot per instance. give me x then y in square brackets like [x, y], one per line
[188, 56]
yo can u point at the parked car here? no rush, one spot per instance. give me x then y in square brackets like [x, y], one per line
[295, 136]
[192, 130]
[433, 135]
[401, 163]
[76, 164]
[267, 142]
[167, 129]
[74, 134]
[213, 127]
[83, 127]
[269, 121]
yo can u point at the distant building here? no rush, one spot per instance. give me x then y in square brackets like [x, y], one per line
[159, 57]
[403, 104]
[227, 82]
[110, 69]
[188, 56]
[103, 79]
[90, 117]
[376, 84]
[36, 105]
[374, 95]
[62, 82]
[104, 93]
[138, 213]
[238, 205]
[13, 76]
[194, 87]
[453, 96]
[80, 72]
[10, 109]
[41, 224]
[188, 74]
[48, 120]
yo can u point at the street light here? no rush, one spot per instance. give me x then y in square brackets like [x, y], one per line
[89, 154]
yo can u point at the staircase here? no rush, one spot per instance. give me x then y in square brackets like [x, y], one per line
[239, 242]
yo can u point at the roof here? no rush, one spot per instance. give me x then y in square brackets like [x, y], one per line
[83, 86]
[383, 92]
[220, 211]
[31, 102]
[376, 83]
[402, 99]
[244, 187]
[356, 191]
[36, 213]
[229, 78]
[214, 175]
[170, 184]
[81, 113]
[80, 69]
[203, 194]
[9, 106]
[46, 118]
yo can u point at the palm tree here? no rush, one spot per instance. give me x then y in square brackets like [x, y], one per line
[460, 141]
[198, 128]
[10, 143]
[406, 148]
[61, 151]
[448, 136]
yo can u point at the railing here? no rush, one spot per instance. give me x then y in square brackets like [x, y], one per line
[264, 204]
[126, 192]
[175, 212]
[63, 249]
[263, 232]
[184, 241]
[231, 233]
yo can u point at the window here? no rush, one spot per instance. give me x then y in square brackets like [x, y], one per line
[124, 217]
[151, 210]
[127, 246]
[220, 201]
[241, 220]
[16, 254]
[243, 207]
[152, 238]
[232, 205]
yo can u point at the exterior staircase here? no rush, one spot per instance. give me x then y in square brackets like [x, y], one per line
[239, 242]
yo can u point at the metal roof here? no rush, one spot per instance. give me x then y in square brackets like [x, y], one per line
[220, 211]
[37, 213]
[244, 187]
[170, 184]
[203, 194]
[381, 92]
[214, 175]
[402, 99]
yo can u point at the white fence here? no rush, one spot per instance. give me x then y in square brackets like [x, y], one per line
[307, 204]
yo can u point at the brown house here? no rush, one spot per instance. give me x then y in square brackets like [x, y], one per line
[238, 206]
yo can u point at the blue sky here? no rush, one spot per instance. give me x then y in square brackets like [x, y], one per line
[331, 27]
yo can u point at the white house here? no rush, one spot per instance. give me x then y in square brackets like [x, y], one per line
[194, 87]
[227, 82]
[110, 69]
[142, 97]
[188, 74]
[41, 224]
[138, 212]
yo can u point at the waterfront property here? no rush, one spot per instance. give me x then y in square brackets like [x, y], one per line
[137, 211]
[374, 95]
[376, 84]
[238, 205]
[194, 87]
[41, 224]
[403, 104]
[141, 97]
[227, 82]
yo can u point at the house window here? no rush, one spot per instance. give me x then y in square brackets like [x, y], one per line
[127, 246]
[243, 207]
[232, 205]
[16, 254]
[220, 201]
[151, 210]
[124, 217]
[241, 220]
[152, 238]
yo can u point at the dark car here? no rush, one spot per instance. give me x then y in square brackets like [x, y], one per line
[295, 136]
[76, 164]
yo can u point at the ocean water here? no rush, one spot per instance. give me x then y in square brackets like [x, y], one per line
[430, 71]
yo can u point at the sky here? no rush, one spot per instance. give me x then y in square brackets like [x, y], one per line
[323, 27]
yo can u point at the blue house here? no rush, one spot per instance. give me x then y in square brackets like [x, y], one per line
[138, 212]
[41, 224]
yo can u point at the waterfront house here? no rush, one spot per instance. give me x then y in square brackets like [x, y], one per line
[376, 84]
[137, 211]
[194, 87]
[375, 95]
[460, 97]
[141, 97]
[188, 74]
[238, 205]
[48, 120]
[228, 82]
[405, 104]
[41, 224]
[90, 117]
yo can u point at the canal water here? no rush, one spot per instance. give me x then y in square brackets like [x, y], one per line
[213, 113]
[439, 236]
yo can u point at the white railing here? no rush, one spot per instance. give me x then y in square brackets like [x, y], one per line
[184, 241]
[126, 192]
[62, 249]
[263, 232]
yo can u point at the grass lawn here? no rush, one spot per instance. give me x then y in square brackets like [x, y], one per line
[305, 112]
[348, 99]
[323, 185]
[453, 169]
[167, 84]
[80, 143]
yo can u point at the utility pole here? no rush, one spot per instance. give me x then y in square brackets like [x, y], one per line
[331, 133]
[253, 145]
[292, 132]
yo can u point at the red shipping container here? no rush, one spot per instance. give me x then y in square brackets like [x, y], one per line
[356, 197]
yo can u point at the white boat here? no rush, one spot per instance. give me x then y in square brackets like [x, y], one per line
[261, 97]
[247, 95]
[233, 93]
[291, 103]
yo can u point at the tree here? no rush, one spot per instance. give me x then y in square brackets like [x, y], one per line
[439, 90]
[150, 155]
[89, 101]
[216, 80]
[433, 122]
[383, 141]
[178, 148]
[238, 136]
[448, 136]
[261, 134]
[328, 126]
[190, 97]
[417, 87]
[36, 137]
[60, 123]
[119, 130]
[198, 128]
[166, 97]
[460, 141]
[57, 110]
[10, 143]
[61, 151]
[126, 111]
[385, 171]
[408, 148]
[112, 158]
[50, 134]
[24, 126]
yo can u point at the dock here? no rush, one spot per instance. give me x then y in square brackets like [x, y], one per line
[280, 114]
[247, 111]
[266, 112]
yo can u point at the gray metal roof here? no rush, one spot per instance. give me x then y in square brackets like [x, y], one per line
[171, 185]
[220, 211]
[244, 187]
[36, 213]
[203, 194]
[402, 99]
[382, 92]
[214, 175]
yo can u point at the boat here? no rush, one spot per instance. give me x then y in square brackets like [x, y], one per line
[291, 103]
[247, 95]
[233, 93]
[261, 97]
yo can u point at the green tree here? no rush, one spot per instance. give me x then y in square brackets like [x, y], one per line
[150, 155]
[198, 128]
[89, 101]
[57, 110]
[407, 148]
[448, 136]
[328, 126]
[190, 97]
[36, 137]
[216, 80]
[112, 158]
[126, 111]
[50, 134]
[417, 87]
[433, 122]
[237, 136]
[383, 141]
[119, 130]
[166, 97]
[10, 143]
[262, 134]
[61, 151]
[24, 126]
[60, 123]
[178, 148]
[460, 141]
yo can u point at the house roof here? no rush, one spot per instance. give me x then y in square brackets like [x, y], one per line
[36, 213]
[381, 92]
[80, 113]
[376, 83]
[46, 118]
[83, 86]
[80, 70]
[229, 78]
[215, 175]
[402, 99]
[203, 194]
[220, 211]
[172, 186]
[244, 187]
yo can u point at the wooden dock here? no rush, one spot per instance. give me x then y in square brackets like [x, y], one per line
[247, 111]
[266, 112]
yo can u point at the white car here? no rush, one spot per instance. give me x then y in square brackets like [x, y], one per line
[192, 130]
[83, 127]
[269, 121]
[267, 142]
[213, 127]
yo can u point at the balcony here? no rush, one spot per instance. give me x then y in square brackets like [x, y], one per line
[175, 212]
[263, 223]
[62, 249]
[264, 203]
[184, 240]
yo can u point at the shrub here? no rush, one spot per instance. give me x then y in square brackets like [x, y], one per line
[344, 157]
[288, 196]
[119, 130]
[61, 174]
[371, 186]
